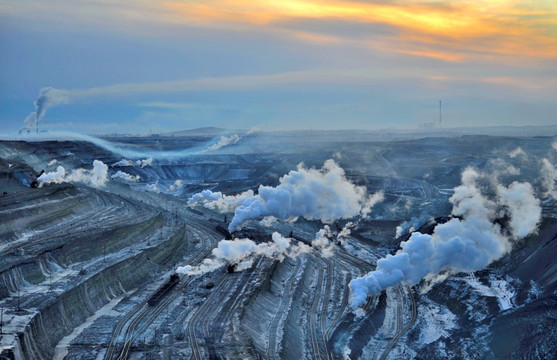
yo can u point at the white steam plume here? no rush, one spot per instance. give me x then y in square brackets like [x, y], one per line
[48, 97]
[464, 244]
[96, 177]
[316, 194]
[517, 152]
[177, 185]
[56, 177]
[219, 202]
[125, 176]
[141, 163]
[153, 187]
[224, 141]
[242, 252]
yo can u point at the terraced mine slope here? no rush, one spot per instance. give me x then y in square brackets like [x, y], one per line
[85, 268]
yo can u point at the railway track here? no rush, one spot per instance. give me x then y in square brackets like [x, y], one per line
[289, 286]
[402, 331]
[196, 352]
[147, 312]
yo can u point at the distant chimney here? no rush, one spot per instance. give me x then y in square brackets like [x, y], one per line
[440, 113]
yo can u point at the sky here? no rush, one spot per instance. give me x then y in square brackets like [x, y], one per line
[138, 66]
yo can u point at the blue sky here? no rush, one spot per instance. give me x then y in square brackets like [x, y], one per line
[135, 66]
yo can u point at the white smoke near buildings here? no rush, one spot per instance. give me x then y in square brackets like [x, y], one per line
[517, 152]
[48, 97]
[316, 194]
[242, 252]
[224, 141]
[125, 176]
[141, 163]
[468, 242]
[218, 201]
[96, 177]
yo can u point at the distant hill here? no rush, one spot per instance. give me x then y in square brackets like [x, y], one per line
[203, 131]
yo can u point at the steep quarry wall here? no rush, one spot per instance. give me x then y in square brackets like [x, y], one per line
[61, 314]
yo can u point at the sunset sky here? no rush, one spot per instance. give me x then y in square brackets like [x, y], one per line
[141, 65]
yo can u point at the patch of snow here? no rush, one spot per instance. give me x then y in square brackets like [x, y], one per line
[500, 289]
[436, 321]
[61, 349]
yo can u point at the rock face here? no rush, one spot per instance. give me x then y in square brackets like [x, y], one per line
[80, 263]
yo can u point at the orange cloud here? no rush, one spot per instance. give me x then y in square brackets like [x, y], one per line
[465, 28]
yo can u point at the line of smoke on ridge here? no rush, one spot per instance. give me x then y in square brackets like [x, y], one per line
[173, 189]
[96, 177]
[125, 176]
[470, 241]
[141, 163]
[223, 141]
[119, 149]
[316, 194]
[242, 252]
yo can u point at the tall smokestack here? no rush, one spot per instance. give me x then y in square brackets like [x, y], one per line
[440, 113]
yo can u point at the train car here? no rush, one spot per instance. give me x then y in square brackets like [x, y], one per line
[197, 212]
[163, 290]
[224, 232]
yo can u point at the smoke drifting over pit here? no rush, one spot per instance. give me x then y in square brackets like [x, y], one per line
[243, 252]
[316, 194]
[468, 242]
[96, 177]
[223, 141]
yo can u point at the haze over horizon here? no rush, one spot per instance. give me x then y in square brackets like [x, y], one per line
[134, 66]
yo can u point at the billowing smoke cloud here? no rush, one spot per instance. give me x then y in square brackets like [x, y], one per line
[153, 187]
[219, 202]
[315, 194]
[242, 252]
[96, 177]
[468, 242]
[517, 152]
[125, 176]
[177, 185]
[140, 163]
[224, 141]
[48, 97]
[56, 177]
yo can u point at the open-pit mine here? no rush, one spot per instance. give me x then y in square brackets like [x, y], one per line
[288, 245]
